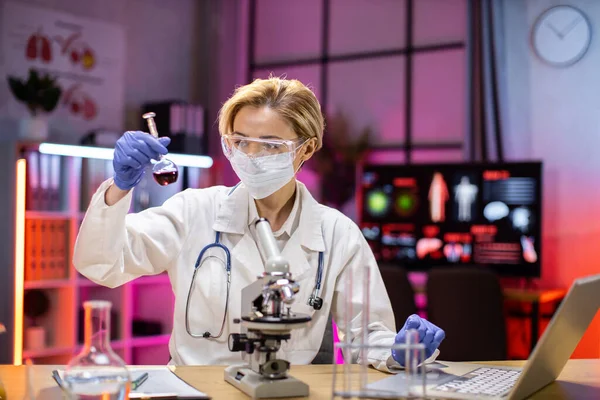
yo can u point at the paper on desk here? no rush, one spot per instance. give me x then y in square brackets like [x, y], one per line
[161, 381]
[398, 384]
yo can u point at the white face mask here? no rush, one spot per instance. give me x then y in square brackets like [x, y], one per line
[264, 175]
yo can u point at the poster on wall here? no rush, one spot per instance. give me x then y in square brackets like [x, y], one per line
[86, 56]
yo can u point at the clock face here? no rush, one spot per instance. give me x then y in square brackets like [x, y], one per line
[561, 35]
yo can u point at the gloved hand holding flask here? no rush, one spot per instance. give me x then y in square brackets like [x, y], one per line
[133, 153]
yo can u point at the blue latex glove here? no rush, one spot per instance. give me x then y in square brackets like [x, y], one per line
[133, 152]
[429, 334]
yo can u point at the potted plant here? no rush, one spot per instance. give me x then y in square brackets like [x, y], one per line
[336, 162]
[40, 93]
[36, 304]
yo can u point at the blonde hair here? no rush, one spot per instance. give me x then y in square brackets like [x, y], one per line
[291, 99]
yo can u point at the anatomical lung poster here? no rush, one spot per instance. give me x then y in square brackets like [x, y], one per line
[86, 56]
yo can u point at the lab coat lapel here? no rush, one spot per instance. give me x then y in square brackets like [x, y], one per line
[294, 253]
[307, 241]
[310, 226]
[232, 220]
[232, 212]
[249, 264]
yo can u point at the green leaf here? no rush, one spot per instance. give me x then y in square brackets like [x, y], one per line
[37, 92]
[18, 89]
[49, 98]
[34, 78]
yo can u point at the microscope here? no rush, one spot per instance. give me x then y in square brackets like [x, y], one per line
[266, 320]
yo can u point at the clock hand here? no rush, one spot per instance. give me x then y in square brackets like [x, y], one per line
[571, 26]
[553, 29]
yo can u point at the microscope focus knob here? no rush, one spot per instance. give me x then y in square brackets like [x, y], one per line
[237, 342]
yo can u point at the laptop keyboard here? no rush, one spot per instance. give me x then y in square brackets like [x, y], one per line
[482, 381]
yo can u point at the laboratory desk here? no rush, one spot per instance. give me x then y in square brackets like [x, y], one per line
[580, 379]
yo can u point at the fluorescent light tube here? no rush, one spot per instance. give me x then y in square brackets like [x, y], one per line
[102, 153]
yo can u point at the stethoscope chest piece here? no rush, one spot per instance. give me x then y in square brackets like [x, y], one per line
[315, 302]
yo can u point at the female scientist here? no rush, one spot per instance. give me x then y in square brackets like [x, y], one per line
[269, 128]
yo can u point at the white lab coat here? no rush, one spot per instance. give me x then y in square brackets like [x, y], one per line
[170, 238]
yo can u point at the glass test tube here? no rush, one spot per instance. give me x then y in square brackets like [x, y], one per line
[414, 356]
[364, 339]
[348, 313]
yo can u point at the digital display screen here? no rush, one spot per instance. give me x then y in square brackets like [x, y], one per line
[421, 216]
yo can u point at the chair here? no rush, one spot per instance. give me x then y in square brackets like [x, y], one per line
[467, 303]
[400, 292]
[325, 354]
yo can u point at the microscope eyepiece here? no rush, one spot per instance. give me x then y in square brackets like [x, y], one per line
[261, 220]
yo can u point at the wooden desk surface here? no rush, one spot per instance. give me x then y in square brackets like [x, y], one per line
[580, 379]
[529, 295]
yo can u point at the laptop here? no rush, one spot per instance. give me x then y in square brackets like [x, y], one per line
[569, 323]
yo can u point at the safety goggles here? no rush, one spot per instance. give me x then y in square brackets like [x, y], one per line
[256, 147]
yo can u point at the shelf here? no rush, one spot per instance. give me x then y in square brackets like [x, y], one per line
[143, 341]
[47, 352]
[151, 280]
[30, 214]
[47, 284]
[147, 297]
[84, 282]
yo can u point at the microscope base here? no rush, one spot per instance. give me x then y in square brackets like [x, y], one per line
[258, 387]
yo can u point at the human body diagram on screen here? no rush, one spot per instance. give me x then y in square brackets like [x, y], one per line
[465, 194]
[438, 196]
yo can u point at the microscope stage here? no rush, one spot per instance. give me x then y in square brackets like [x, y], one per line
[258, 387]
[276, 324]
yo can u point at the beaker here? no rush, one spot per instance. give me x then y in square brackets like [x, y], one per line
[164, 170]
[97, 372]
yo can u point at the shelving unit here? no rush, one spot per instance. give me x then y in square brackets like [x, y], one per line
[144, 302]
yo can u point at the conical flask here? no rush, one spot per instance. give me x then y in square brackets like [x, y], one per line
[97, 372]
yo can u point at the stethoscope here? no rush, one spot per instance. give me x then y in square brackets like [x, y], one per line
[314, 300]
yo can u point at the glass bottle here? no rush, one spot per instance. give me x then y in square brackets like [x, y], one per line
[97, 372]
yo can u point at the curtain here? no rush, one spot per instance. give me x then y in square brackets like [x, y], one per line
[485, 78]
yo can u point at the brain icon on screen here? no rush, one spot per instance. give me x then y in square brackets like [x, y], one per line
[521, 218]
[495, 210]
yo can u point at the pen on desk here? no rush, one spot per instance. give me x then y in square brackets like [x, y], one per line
[138, 382]
[30, 391]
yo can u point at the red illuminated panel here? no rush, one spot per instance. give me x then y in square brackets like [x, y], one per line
[457, 237]
[497, 253]
[484, 230]
[431, 230]
[394, 228]
[405, 182]
[495, 175]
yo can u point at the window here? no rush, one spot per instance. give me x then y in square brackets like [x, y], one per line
[397, 67]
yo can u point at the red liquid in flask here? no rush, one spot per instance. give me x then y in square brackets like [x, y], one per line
[165, 178]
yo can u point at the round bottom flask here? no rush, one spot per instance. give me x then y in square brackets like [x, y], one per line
[97, 372]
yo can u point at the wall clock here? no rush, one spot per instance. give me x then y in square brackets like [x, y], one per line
[561, 35]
